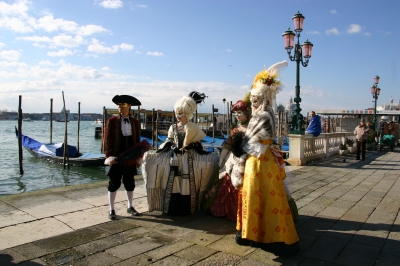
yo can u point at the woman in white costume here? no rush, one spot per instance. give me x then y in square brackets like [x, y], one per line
[177, 175]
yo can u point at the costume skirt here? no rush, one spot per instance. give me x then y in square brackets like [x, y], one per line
[178, 188]
[264, 214]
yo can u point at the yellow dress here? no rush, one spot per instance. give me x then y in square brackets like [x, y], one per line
[263, 211]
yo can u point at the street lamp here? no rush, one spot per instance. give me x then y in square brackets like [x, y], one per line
[300, 52]
[375, 91]
[224, 100]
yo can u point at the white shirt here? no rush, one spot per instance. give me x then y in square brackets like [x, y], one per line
[126, 128]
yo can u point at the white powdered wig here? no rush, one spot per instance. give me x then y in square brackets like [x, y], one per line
[186, 105]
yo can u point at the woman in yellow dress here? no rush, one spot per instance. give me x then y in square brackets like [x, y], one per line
[264, 215]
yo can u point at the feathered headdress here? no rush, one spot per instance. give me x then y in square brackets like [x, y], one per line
[266, 82]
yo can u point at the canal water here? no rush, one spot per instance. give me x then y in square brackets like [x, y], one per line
[39, 174]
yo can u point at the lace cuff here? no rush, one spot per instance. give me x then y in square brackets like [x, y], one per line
[255, 148]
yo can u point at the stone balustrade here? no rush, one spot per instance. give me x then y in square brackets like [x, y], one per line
[305, 148]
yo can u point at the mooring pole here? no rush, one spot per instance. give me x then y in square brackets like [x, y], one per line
[51, 120]
[79, 122]
[65, 159]
[21, 170]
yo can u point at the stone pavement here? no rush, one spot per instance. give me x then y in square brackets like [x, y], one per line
[349, 215]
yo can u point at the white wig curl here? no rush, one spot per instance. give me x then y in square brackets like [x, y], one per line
[186, 105]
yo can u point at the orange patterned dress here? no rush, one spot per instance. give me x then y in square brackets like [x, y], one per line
[263, 211]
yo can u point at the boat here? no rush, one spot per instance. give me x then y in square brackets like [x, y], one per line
[53, 153]
[98, 122]
[27, 120]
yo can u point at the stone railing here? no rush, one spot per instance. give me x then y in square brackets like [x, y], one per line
[305, 148]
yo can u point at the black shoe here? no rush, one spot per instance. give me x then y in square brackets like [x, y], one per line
[240, 241]
[132, 211]
[112, 215]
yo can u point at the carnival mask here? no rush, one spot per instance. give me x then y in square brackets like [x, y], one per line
[256, 100]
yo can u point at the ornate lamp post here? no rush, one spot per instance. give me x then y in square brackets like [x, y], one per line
[302, 53]
[375, 91]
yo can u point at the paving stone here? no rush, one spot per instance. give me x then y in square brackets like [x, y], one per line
[353, 195]
[326, 248]
[315, 262]
[376, 194]
[133, 248]
[202, 238]
[272, 259]
[10, 257]
[227, 244]
[173, 260]
[102, 244]
[391, 245]
[362, 254]
[71, 239]
[332, 212]
[195, 253]
[219, 259]
[315, 227]
[30, 251]
[385, 259]
[98, 259]
[172, 230]
[141, 259]
[113, 227]
[361, 209]
[166, 250]
[344, 230]
[62, 257]
[251, 262]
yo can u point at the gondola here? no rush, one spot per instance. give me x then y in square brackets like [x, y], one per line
[54, 153]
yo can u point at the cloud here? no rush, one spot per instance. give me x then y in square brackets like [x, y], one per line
[314, 32]
[91, 29]
[155, 53]
[126, 47]
[333, 31]
[354, 28]
[137, 52]
[67, 41]
[10, 55]
[111, 4]
[142, 6]
[64, 52]
[333, 11]
[50, 24]
[97, 47]
[19, 8]
[229, 50]
[15, 24]
[367, 34]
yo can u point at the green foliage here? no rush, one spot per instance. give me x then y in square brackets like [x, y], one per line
[349, 142]
[342, 147]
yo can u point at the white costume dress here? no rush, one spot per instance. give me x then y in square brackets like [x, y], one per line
[176, 181]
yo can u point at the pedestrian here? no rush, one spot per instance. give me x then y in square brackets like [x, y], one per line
[177, 175]
[121, 133]
[361, 132]
[264, 216]
[314, 127]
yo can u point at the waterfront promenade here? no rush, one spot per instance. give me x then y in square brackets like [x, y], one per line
[349, 215]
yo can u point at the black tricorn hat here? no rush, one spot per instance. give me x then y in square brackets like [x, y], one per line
[126, 99]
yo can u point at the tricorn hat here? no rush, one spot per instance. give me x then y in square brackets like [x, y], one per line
[126, 99]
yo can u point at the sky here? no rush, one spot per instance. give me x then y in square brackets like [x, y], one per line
[160, 50]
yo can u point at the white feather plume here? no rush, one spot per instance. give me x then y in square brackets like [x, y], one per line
[277, 67]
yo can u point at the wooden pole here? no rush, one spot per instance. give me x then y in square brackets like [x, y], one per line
[51, 120]
[156, 136]
[65, 159]
[21, 170]
[79, 123]
[152, 129]
[102, 129]
[212, 118]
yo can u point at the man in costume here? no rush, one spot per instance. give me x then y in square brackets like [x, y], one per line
[121, 133]
[264, 215]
